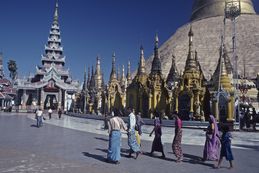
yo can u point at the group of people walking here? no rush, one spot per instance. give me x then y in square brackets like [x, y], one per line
[212, 151]
[40, 117]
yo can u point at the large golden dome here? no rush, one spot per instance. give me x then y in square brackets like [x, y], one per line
[212, 8]
[207, 24]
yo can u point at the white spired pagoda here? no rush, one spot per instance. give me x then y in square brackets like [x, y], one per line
[51, 86]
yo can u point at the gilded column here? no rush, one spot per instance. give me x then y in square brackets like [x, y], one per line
[59, 98]
[192, 101]
[231, 109]
[155, 97]
[176, 103]
[216, 109]
[42, 98]
[109, 103]
[150, 103]
[65, 101]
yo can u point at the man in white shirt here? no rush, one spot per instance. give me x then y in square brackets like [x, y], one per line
[50, 112]
[132, 121]
[132, 142]
[39, 117]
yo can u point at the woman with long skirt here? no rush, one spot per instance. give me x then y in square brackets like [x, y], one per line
[157, 142]
[177, 146]
[212, 143]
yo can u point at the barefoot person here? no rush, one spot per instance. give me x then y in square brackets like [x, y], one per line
[157, 142]
[212, 143]
[177, 146]
[226, 150]
[139, 123]
[115, 125]
[132, 142]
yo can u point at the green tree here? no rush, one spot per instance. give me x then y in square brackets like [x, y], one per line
[13, 69]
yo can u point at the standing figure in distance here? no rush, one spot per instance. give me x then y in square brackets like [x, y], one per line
[50, 112]
[39, 117]
[59, 113]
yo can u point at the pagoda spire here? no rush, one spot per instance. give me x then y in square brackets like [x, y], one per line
[118, 73]
[225, 81]
[227, 60]
[156, 64]
[223, 68]
[56, 13]
[129, 73]
[85, 82]
[141, 68]
[173, 75]
[191, 62]
[53, 48]
[88, 77]
[123, 73]
[220, 77]
[123, 78]
[113, 75]
[98, 66]
[85, 74]
[98, 73]
[92, 81]
[103, 82]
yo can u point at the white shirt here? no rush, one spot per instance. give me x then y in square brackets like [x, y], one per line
[39, 113]
[50, 110]
[132, 121]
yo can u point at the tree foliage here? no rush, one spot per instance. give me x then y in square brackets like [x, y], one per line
[13, 69]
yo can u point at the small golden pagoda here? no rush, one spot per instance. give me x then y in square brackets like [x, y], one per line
[223, 94]
[137, 91]
[189, 95]
[116, 96]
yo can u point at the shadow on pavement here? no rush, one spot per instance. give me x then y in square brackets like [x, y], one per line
[95, 156]
[103, 150]
[102, 139]
[124, 152]
[256, 148]
[192, 159]
[158, 157]
[33, 125]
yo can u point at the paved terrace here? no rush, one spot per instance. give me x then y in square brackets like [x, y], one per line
[80, 145]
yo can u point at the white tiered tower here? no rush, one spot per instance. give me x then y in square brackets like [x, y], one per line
[51, 86]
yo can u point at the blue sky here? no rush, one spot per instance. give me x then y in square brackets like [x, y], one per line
[88, 28]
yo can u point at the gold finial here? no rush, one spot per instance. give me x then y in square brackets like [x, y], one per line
[56, 12]
[156, 41]
[141, 69]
